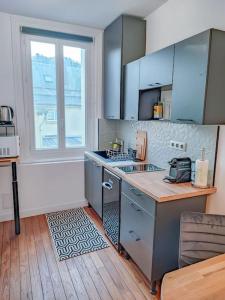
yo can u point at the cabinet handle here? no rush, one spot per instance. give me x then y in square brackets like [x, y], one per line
[154, 84]
[136, 192]
[135, 207]
[133, 234]
[107, 185]
[97, 165]
[186, 120]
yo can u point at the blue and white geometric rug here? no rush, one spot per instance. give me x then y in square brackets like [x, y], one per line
[74, 233]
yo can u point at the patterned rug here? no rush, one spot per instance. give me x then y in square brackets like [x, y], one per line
[74, 233]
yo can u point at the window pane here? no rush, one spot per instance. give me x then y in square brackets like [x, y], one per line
[74, 95]
[44, 95]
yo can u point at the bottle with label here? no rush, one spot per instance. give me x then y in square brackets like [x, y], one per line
[158, 111]
[201, 171]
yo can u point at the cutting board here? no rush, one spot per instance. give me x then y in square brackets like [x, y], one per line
[141, 144]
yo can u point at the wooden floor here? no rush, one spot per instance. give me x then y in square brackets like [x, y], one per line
[29, 268]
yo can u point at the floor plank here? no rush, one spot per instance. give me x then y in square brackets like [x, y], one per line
[77, 280]
[37, 291]
[30, 269]
[60, 271]
[25, 281]
[5, 262]
[106, 278]
[14, 266]
[130, 283]
[116, 276]
[1, 240]
[86, 278]
[102, 290]
[46, 281]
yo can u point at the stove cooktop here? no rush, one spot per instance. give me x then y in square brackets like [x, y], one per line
[140, 168]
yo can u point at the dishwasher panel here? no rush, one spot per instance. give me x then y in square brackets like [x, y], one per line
[111, 206]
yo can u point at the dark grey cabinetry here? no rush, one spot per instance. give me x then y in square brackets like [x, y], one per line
[93, 184]
[199, 79]
[156, 69]
[124, 41]
[131, 90]
[137, 232]
[149, 230]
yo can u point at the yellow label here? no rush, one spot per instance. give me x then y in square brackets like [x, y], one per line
[158, 111]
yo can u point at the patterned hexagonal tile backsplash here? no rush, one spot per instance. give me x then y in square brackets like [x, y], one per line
[160, 134]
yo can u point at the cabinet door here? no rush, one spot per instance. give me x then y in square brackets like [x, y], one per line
[189, 79]
[156, 69]
[112, 70]
[88, 179]
[93, 184]
[137, 233]
[131, 90]
[97, 188]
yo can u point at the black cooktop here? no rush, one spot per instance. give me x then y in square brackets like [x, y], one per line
[140, 168]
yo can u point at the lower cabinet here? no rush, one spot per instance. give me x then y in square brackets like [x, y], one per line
[149, 230]
[137, 232]
[93, 184]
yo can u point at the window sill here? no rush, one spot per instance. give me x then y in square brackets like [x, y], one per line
[51, 161]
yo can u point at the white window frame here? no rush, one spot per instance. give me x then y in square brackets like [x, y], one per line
[62, 153]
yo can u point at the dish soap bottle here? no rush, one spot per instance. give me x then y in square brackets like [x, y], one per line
[201, 171]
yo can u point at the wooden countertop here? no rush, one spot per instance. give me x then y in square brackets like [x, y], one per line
[9, 159]
[201, 281]
[152, 184]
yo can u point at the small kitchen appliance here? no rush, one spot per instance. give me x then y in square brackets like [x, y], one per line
[6, 115]
[180, 170]
[9, 146]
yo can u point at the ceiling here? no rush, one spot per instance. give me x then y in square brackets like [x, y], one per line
[94, 13]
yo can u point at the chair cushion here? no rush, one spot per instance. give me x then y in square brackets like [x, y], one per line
[202, 236]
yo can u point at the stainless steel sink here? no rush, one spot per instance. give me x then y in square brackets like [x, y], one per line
[103, 154]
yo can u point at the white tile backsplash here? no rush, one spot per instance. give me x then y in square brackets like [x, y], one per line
[159, 134]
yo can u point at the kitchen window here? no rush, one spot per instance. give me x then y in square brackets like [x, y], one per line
[57, 87]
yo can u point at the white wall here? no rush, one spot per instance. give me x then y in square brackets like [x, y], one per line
[175, 21]
[43, 187]
[179, 19]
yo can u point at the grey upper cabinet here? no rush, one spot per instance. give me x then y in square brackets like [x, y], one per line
[131, 90]
[124, 41]
[156, 69]
[199, 79]
[93, 184]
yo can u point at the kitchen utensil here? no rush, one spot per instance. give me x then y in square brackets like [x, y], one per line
[141, 144]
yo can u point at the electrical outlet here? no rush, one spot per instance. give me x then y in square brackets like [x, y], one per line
[178, 145]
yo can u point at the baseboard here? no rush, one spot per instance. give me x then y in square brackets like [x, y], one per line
[42, 210]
